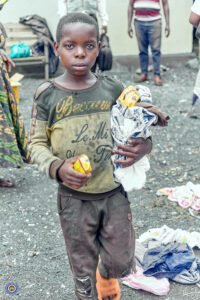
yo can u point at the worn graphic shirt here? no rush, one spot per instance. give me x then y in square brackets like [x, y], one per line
[68, 123]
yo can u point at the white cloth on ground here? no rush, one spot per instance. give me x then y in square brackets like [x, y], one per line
[186, 195]
[165, 235]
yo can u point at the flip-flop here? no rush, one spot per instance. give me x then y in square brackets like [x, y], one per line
[6, 183]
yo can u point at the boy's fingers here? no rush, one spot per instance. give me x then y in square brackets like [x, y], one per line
[136, 141]
[125, 163]
[125, 153]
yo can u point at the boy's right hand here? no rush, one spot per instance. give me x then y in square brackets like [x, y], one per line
[130, 31]
[70, 177]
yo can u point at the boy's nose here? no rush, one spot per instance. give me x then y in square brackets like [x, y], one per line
[80, 52]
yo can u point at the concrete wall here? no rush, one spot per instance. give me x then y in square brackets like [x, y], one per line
[180, 40]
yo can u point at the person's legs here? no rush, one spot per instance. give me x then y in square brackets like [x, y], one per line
[155, 34]
[116, 239]
[143, 44]
[196, 91]
[79, 222]
[194, 110]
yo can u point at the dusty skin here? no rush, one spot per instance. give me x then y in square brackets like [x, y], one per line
[32, 252]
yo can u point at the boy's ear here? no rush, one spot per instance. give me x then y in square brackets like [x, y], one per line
[99, 47]
[56, 45]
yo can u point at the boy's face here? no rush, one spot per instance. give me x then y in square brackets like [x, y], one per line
[78, 48]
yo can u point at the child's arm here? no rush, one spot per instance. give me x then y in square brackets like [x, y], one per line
[39, 143]
[134, 151]
[42, 155]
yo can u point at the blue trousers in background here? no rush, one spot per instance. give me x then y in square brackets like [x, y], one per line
[149, 34]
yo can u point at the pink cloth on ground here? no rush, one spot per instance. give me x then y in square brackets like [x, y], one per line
[150, 284]
[186, 195]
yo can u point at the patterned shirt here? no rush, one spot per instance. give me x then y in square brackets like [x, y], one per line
[146, 10]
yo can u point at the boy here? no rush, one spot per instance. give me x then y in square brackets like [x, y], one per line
[71, 116]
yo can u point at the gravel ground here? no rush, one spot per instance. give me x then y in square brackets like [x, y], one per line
[32, 252]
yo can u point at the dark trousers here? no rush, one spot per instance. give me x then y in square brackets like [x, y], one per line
[149, 35]
[93, 229]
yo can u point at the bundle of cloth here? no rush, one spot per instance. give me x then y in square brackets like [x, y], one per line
[131, 118]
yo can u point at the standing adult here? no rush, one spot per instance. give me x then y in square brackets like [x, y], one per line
[148, 29]
[95, 7]
[13, 140]
[195, 21]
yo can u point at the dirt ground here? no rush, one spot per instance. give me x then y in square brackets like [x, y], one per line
[32, 252]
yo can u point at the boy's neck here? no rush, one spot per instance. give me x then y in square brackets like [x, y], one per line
[76, 82]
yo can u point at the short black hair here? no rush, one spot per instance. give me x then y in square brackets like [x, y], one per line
[75, 18]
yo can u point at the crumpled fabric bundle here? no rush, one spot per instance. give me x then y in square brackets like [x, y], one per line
[175, 261]
[164, 235]
[131, 121]
[186, 195]
[139, 281]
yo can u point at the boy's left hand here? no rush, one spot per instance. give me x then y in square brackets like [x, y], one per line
[133, 151]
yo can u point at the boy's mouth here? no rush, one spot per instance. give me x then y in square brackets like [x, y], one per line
[79, 65]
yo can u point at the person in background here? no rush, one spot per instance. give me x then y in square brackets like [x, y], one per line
[194, 19]
[95, 7]
[13, 139]
[148, 29]
[71, 117]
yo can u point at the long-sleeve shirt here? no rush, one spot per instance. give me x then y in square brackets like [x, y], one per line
[95, 6]
[67, 123]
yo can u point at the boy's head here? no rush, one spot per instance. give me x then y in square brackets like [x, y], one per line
[77, 43]
[73, 18]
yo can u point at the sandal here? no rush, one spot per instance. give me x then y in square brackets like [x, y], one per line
[6, 183]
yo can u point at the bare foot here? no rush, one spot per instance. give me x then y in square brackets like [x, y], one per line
[6, 183]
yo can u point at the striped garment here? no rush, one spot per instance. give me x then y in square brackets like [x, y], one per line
[146, 10]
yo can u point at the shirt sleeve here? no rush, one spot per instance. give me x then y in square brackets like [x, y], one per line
[196, 7]
[101, 6]
[39, 142]
[62, 8]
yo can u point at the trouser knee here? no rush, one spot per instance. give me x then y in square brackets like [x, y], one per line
[84, 288]
[118, 270]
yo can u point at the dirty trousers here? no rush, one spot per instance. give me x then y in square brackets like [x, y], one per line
[96, 229]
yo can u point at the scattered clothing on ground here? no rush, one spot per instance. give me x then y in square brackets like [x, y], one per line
[139, 281]
[165, 235]
[185, 195]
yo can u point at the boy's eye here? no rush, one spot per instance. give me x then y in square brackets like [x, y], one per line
[90, 46]
[69, 46]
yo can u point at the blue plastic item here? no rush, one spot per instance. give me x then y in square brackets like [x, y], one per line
[20, 50]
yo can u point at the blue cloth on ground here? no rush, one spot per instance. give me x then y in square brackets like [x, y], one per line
[168, 260]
